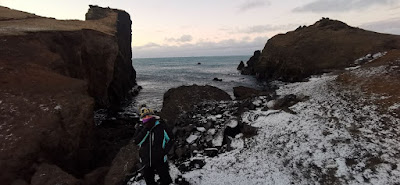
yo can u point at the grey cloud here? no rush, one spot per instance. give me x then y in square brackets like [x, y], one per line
[261, 28]
[148, 45]
[183, 38]
[203, 48]
[341, 5]
[251, 4]
[391, 26]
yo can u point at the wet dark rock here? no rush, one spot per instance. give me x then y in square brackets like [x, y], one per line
[195, 163]
[180, 152]
[250, 68]
[286, 101]
[252, 107]
[242, 92]
[217, 79]
[248, 130]
[181, 181]
[240, 66]
[211, 152]
[208, 125]
[135, 90]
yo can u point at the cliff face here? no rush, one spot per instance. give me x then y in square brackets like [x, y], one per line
[124, 75]
[326, 45]
[52, 75]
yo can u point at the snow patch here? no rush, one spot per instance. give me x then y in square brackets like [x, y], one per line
[332, 137]
[58, 107]
[43, 107]
[232, 123]
[218, 139]
[211, 132]
[394, 107]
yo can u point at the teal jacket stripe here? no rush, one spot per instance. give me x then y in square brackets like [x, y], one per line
[166, 139]
[144, 139]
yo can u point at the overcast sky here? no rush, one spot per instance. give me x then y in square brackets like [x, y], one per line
[166, 28]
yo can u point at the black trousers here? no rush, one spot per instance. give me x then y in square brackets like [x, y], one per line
[163, 172]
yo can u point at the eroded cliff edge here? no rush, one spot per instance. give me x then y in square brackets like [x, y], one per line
[52, 75]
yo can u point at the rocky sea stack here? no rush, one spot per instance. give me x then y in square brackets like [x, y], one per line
[53, 74]
[324, 46]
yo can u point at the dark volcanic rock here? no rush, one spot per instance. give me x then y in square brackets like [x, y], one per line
[242, 92]
[217, 79]
[124, 75]
[182, 99]
[51, 80]
[124, 163]
[96, 177]
[240, 66]
[326, 45]
[48, 174]
[250, 68]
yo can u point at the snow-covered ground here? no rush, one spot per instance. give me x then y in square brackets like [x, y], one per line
[336, 137]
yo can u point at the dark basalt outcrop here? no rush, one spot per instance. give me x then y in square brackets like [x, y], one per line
[52, 75]
[327, 45]
[242, 92]
[249, 68]
[181, 99]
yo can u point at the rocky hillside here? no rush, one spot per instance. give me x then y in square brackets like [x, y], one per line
[53, 74]
[337, 128]
[325, 46]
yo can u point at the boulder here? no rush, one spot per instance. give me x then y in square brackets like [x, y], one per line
[96, 177]
[240, 66]
[123, 165]
[47, 174]
[325, 46]
[182, 99]
[250, 68]
[53, 74]
[242, 92]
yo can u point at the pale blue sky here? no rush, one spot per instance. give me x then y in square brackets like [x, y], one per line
[220, 27]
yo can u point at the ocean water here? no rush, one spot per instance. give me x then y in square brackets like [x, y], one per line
[157, 75]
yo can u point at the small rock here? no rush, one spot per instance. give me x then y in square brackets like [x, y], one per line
[232, 123]
[208, 125]
[211, 132]
[201, 129]
[217, 79]
[217, 141]
[192, 138]
[179, 152]
[211, 152]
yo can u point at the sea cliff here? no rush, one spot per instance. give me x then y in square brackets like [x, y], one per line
[53, 75]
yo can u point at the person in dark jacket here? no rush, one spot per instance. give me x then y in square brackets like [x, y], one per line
[155, 140]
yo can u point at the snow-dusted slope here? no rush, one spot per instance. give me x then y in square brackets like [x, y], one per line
[333, 139]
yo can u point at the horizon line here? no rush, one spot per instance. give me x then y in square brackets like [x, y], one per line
[190, 56]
